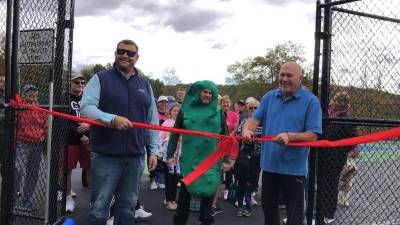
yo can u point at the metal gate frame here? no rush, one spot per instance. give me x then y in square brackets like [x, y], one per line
[321, 82]
[58, 76]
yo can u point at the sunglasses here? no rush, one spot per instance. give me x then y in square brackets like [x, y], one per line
[252, 108]
[79, 82]
[121, 51]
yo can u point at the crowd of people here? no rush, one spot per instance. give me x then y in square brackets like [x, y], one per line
[113, 157]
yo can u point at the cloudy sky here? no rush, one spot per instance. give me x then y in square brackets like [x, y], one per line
[199, 38]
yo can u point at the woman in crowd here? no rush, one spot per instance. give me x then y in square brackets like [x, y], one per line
[332, 160]
[232, 122]
[247, 166]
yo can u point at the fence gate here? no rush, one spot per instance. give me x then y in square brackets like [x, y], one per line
[35, 57]
[360, 56]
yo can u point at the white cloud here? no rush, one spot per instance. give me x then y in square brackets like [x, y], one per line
[199, 40]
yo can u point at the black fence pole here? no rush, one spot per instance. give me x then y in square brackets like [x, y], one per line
[11, 77]
[58, 98]
[325, 80]
[313, 152]
[326, 59]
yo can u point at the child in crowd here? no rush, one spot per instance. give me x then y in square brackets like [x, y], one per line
[171, 173]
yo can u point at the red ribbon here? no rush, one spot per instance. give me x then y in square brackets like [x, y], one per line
[228, 145]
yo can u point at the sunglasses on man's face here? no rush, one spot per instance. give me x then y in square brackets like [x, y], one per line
[252, 108]
[121, 51]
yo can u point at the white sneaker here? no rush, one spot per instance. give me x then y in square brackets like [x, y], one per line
[161, 186]
[226, 194]
[153, 185]
[73, 194]
[69, 204]
[110, 221]
[237, 204]
[140, 214]
[253, 201]
[328, 220]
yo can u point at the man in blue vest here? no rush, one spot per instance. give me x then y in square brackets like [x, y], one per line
[291, 114]
[116, 97]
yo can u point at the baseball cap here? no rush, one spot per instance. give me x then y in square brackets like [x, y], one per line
[162, 98]
[76, 75]
[240, 102]
[28, 87]
[249, 99]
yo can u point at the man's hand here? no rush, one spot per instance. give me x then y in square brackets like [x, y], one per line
[282, 138]
[247, 133]
[83, 127]
[122, 123]
[171, 162]
[85, 140]
[152, 162]
[226, 166]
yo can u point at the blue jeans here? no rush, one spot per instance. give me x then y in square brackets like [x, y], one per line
[117, 176]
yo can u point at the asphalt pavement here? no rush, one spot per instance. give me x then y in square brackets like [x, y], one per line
[153, 202]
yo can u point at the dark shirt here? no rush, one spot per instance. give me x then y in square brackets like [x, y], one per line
[74, 109]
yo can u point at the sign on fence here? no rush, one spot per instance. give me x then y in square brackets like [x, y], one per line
[36, 46]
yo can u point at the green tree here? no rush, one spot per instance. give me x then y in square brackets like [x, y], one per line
[89, 70]
[265, 68]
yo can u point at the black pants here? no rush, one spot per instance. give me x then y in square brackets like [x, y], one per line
[182, 212]
[228, 178]
[247, 179]
[171, 180]
[244, 190]
[330, 165]
[292, 188]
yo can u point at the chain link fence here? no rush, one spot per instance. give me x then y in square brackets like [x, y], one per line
[38, 68]
[359, 84]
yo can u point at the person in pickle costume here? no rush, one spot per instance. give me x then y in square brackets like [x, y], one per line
[199, 112]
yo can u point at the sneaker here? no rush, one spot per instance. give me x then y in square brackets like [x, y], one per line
[215, 211]
[165, 201]
[70, 204]
[73, 194]
[328, 221]
[226, 192]
[247, 212]
[27, 205]
[237, 204]
[140, 214]
[153, 185]
[253, 201]
[110, 221]
[239, 212]
[161, 186]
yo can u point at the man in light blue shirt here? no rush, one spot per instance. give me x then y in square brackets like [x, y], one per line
[291, 114]
[116, 97]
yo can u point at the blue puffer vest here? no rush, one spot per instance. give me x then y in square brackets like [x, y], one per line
[128, 98]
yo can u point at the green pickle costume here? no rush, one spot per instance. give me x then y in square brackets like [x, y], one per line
[195, 115]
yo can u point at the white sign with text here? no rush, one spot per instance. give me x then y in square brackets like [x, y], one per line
[36, 46]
